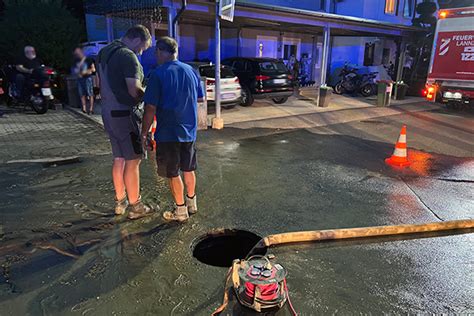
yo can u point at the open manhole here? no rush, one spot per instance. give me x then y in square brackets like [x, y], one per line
[220, 248]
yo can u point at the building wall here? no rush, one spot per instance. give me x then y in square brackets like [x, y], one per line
[373, 9]
[197, 42]
[368, 9]
[351, 50]
[97, 28]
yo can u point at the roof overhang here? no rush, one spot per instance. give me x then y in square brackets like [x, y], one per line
[305, 18]
[201, 12]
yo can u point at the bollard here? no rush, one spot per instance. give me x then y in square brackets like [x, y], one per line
[384, 92]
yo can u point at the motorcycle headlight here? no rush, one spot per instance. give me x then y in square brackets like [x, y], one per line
[448, 95]
[457, 95]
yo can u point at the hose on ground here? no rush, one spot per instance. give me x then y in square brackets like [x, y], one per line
[346, 233]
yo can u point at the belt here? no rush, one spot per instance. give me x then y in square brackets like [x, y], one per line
[120, 113]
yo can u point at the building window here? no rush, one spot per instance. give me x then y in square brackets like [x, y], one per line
[391, 7]
[369, 54]
[385, 56]
[289, 50]
[408, 8]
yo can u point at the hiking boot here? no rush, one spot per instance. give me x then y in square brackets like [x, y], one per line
[139, 210]
[179, 214]
[121, 206]
[191, 203]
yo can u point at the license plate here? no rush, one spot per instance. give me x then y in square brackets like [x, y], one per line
[279, 81]
[226, 96]
[46, 92]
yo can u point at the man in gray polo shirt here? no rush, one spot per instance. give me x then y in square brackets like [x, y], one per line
[121, 77]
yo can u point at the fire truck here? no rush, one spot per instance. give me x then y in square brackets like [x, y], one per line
[451, 73]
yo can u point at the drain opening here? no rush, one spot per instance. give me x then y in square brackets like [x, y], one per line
[220, 248]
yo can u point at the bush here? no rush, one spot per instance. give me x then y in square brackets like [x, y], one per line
[44, 24]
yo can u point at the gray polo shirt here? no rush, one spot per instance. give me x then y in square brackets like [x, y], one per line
[123, 63]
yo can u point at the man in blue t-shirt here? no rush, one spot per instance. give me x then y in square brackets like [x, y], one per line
[172, 94]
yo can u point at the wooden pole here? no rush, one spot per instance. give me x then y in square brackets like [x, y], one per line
[362, 232]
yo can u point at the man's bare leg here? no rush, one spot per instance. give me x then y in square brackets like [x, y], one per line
[190, 181]
[131, 177]
[177, 189]
[118, 168]
[191, 199]
[121, 202]
[132, 183]
[180, 212]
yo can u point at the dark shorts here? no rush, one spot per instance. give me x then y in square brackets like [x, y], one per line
[123, 134]
[85, 86]
[173, 157]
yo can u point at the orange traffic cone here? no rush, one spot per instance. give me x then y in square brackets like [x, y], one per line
[399, 157]
[152, 132]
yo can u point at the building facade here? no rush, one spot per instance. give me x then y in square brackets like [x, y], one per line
[365, 33]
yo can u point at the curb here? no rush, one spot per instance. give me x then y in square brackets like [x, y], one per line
[84, 116]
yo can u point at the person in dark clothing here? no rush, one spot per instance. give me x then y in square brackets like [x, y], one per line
[84, 69]
[121, 77]
[25, 66]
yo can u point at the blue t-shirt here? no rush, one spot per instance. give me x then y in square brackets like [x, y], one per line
[174, 89]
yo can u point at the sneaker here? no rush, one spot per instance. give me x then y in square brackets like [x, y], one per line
[121, 206]
[139, 210]
[179, 214]
[191, 203]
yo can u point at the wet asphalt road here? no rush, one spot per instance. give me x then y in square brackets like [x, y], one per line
[63, 254]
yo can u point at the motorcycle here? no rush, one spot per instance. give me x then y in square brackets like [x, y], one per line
[37, 92]
[352, 82]
[368, 86]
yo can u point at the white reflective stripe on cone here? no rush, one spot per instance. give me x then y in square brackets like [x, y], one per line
[400, 152]
[402, 138]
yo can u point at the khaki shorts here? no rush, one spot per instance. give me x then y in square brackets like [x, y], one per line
[123, 133]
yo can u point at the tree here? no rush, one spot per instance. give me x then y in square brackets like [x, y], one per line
[76, 7]
[426, 9]
[44, 24]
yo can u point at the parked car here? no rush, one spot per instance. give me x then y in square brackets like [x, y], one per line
[230, 87]
[262, 78]
[91, 49]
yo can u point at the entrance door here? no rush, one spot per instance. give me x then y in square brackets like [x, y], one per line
[291, 50]
[267, 46]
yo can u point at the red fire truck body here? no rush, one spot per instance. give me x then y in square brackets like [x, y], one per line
[451, 73]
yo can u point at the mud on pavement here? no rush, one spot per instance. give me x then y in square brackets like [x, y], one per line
[63, 253]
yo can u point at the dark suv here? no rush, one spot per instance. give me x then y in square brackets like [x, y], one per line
[262, 78]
